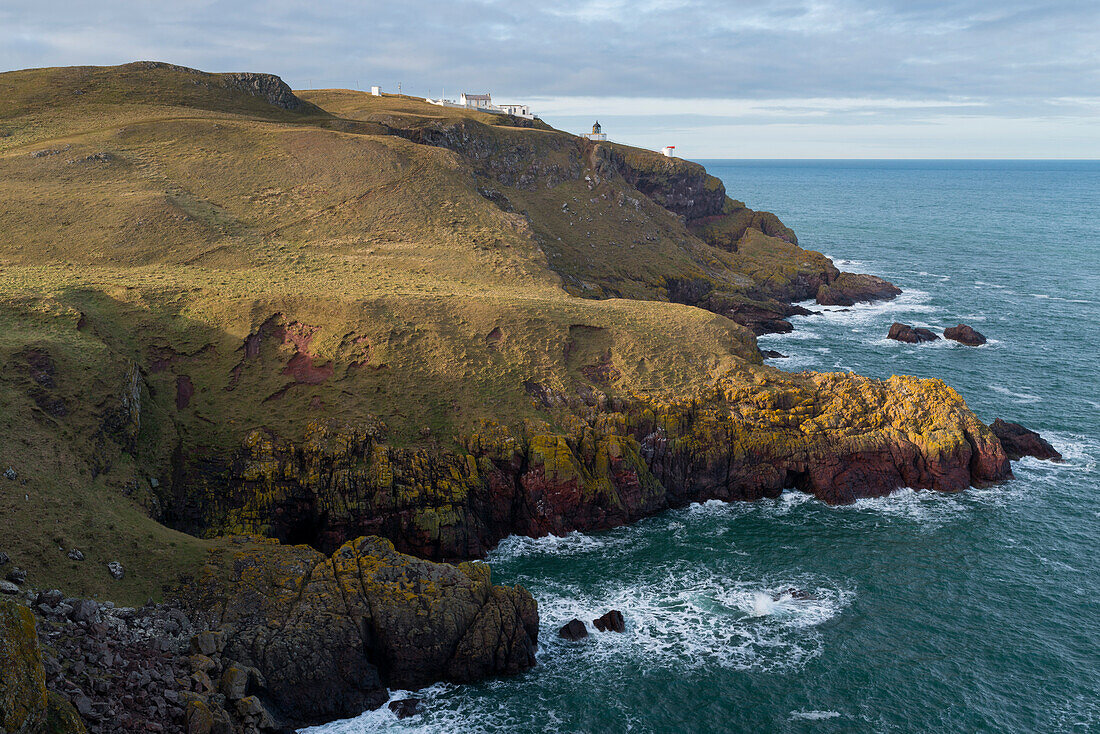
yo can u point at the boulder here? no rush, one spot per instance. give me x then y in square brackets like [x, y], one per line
[200, 720]
[234, 683]
[772, 354]
[7, 587]
[61, 716]
[1019, 442]
[405, 707]
[573, 630]
[84, 610]
[909, 335]
[610, 622]
[76, 555]
[208, 643]
[17, 576]
[964, 335]
[5, 559]
[115, 569]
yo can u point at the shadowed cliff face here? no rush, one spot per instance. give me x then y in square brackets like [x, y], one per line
[329, 633]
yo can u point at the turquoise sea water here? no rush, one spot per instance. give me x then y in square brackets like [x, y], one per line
[978, 611]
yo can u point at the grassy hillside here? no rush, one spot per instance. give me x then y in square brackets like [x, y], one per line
[184, 262]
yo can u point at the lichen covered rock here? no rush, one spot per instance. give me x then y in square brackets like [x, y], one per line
[757, 432]
[22, 680]
[328, 634]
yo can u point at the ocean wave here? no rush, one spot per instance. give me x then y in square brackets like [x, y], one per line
[814, 715]
[1022, 398]
[570, 544]
[691, 618]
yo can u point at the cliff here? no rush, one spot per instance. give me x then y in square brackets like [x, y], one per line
[227, 307]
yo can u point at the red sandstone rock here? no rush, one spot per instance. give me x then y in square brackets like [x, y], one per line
[964, 335]
[1019, 442]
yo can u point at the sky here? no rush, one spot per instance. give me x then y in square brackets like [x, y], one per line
[718, 79]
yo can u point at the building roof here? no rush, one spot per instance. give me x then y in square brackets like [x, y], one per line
[476, 96]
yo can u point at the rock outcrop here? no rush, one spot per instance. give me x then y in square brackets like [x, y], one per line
[910, 335]
[327, 634]
[1019, 442]
[964, 335]
[848, 289]
[26, 706]
[610, 622]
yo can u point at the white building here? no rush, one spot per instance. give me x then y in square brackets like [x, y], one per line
[668, 151]
[484, 103]
[376, 91]
[477, 101]
[597, 133]
[519, 110]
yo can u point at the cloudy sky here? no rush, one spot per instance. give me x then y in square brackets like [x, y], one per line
[717, 78]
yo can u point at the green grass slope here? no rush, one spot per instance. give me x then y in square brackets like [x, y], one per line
[188, 257]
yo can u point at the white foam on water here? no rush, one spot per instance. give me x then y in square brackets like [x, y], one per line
[843, 263]
[1022, 398]
[1038, 295]
[814, 715]
[570, 544]
[934, 275]
[688, 618]
[926, 507]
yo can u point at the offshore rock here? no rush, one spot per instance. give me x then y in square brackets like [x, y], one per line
[964, 335]
[851, 288]
[327, 634]
[573, 630]
[610, 622]
[910, 335]
[1019, 442]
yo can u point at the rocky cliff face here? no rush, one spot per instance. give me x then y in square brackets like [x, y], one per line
[839, 437]
[329, 633]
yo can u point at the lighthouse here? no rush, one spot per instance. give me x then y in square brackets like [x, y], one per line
[597, 133]
[668, 151]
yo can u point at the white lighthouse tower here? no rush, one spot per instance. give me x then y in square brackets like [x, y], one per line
[597, 133]
[668, 151]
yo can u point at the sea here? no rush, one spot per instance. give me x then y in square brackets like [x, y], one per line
[926, 612]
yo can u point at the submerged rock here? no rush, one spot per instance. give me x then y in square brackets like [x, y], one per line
[964, 335]
[1019, 442]
[405, 707]
[772, 354]
[910, 335]
[610, 622]
[573, 630]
